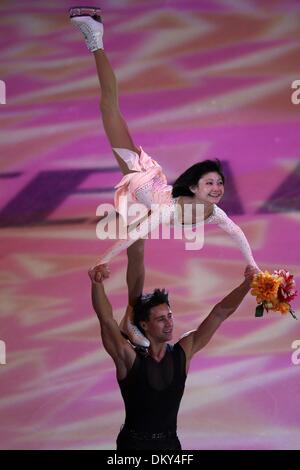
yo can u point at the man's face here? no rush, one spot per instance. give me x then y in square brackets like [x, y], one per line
[160, 323]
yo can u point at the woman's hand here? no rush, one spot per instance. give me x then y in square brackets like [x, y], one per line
[99, 272]
[250, 272]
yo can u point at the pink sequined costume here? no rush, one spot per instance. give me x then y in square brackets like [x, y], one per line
[148, 185]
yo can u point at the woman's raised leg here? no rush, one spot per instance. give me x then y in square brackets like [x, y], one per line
[88, 20]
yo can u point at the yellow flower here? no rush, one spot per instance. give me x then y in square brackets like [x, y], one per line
[265, 287]
[281, 307]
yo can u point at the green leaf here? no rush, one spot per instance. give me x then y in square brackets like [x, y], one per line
[259, 310]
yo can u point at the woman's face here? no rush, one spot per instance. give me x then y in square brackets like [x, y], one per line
[210, 188]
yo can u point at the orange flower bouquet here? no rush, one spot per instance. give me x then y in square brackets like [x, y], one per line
[274, 292]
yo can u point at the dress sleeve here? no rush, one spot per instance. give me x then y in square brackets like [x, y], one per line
[225, 223]
[148, 225]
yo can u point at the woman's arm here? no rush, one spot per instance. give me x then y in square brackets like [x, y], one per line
[225, 223]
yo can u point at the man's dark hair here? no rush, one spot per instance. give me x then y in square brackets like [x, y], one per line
[191, 176]
[145, 302]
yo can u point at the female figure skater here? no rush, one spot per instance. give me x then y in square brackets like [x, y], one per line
[143, 179]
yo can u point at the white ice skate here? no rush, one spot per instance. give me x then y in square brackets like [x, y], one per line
[134, 334]
[89, 21]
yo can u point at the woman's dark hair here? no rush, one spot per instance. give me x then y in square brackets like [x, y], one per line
[145, 302]
[191, 176]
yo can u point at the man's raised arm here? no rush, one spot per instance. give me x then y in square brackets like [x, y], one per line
[194, 341]
[113, 341]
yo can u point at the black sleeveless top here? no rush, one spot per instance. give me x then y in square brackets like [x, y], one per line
[152, 391]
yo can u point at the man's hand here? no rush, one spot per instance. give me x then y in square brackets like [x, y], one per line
[99, 273]
[250, 272]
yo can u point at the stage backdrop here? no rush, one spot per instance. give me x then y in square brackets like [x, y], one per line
[197, 79]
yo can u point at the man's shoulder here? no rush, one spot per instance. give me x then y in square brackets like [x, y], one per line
[176, 347]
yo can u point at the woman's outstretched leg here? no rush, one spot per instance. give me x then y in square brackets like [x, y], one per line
[88, 20]
[113, 122]
[135, 277]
